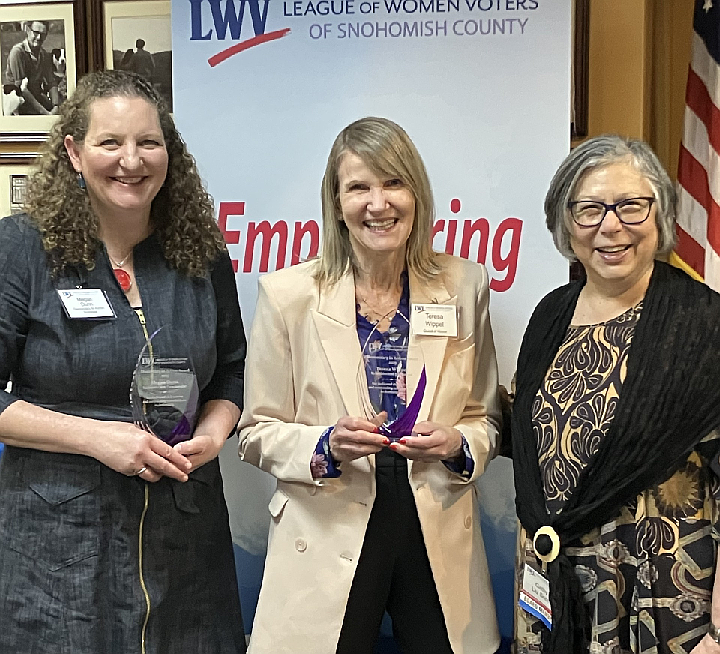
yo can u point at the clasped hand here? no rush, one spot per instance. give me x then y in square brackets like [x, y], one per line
[127, 449]
[353, 438]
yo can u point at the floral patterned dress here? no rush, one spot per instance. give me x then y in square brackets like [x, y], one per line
[647, 575]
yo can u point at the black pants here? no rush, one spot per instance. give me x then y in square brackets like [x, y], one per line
[393, 573]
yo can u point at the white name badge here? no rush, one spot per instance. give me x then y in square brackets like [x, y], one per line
[535, 595]
[434, 320]
[86, 303]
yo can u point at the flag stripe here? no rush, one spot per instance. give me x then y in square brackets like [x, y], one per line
[713, 232]
[698, 99]
[694, 180]
[712, 268]
[695, 141]
[690, 251]
[692, 216]
[705, 68]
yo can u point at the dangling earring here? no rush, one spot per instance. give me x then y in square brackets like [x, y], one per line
[81, 182]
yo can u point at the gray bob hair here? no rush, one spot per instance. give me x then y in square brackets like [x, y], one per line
[388, 151]
[596, 153]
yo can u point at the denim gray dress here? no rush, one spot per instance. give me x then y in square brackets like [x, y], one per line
[92, 561]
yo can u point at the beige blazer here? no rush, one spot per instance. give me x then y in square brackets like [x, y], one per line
[301, 377]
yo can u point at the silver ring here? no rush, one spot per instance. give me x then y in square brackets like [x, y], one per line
[139, 472]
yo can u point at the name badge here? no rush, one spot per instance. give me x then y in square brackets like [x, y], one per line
[86, 304]
[535, 595]
[434, 320]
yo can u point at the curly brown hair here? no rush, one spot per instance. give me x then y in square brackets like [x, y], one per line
[182, 213]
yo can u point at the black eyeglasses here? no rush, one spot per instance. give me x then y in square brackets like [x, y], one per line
[590, 213]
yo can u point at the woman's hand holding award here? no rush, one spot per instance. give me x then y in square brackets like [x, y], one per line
[382, 379]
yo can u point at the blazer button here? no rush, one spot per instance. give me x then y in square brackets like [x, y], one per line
[300, 545]
[468, 522]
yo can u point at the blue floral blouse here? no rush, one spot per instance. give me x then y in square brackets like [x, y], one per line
[385, 364]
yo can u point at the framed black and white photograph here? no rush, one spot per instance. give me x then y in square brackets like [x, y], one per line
[18, 184]
[13, 182]
[137, 37]
[38, 65]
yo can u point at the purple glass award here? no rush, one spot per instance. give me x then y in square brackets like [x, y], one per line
[164, 393]
[403, 425]
[382, 379]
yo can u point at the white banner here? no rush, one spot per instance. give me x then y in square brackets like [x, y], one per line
[261, 89]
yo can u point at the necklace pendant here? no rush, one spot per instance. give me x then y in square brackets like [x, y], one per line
[123, 279]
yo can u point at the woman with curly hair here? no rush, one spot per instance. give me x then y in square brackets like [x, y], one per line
[111, 538]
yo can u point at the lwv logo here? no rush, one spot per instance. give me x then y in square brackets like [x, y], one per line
[227, 18]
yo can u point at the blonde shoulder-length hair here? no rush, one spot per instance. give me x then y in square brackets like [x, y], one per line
[388, 151]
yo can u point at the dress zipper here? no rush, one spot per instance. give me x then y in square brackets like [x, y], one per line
[141, 318]
[140, 566]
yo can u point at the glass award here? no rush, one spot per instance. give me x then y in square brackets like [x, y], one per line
[382, 378]
[164, 394]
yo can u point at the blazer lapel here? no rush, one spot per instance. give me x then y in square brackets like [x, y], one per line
[426, 350]
[336, 326]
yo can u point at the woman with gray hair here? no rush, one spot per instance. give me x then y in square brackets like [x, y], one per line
[615, 424]
[375, 425]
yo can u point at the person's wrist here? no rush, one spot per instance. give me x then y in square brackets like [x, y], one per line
[458, 450]
[335, 461]
[219, 439]
[216, 439]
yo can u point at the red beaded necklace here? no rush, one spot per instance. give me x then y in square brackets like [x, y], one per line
[122, 276]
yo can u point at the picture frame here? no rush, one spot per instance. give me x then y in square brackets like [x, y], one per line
[580, 78]
[13, 177]
[134, 35]
[64, 60]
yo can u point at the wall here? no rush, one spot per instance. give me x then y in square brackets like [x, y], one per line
[672, 40]
[619, 67]
[639, 55]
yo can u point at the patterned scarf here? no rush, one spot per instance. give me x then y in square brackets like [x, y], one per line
[669, 401]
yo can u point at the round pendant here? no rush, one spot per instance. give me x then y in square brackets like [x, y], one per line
[123, 279]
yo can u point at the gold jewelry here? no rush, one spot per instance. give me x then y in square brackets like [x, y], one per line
[550, 548]
[122, 262]
[382, 314]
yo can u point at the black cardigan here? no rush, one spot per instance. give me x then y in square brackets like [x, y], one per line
[669, 401]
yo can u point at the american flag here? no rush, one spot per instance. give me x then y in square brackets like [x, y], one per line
[698, 248]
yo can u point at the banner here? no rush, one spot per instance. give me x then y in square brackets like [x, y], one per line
[261, 89]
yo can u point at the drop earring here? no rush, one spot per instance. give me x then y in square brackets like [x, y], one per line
[81, 182]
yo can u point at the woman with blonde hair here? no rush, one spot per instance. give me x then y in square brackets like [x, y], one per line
[112, 539]
[374, 424]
